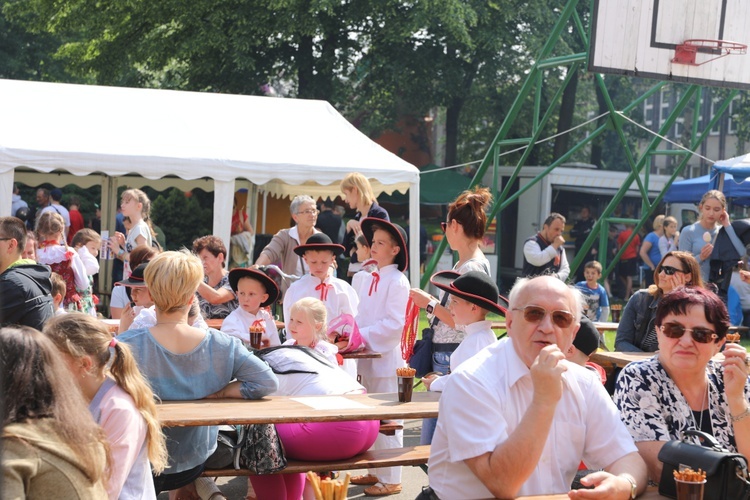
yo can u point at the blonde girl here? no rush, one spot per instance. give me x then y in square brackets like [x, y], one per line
[136, 206]
[307, 327]
[62, 259]
[699, 238]
[359, 196]
[120, 400]
[87, 242]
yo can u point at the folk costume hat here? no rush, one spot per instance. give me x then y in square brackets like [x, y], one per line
[475, 287]
[587, 338]
[136, 277]
[396, 231]
[319, 241]
[271, 289]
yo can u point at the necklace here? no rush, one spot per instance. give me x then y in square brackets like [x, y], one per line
[699, 425]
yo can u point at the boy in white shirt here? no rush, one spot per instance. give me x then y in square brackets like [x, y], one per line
[319, 253]
[255, 291]
[473, 295]
[381, 319]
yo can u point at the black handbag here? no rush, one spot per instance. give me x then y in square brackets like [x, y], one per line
[254, 447]
[726, 472]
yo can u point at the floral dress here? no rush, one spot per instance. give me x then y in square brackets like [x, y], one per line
[654, 409]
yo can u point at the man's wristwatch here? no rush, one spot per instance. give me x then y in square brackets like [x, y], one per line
[633, 486]
[431, 308]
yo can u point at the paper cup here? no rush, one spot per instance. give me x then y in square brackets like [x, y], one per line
[405, 388]
[689, 490]
[256, 339]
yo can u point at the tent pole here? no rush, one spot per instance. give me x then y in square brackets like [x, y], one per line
[108, 206]
[6, 186]
[223, 199]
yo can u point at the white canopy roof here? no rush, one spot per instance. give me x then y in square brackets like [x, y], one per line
[284, 146]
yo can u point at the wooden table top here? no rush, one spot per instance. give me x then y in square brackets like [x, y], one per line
[285, 409]
[618, 359]
[652, 493]
[363, 354]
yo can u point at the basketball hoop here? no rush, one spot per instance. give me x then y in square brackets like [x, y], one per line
[686, 51]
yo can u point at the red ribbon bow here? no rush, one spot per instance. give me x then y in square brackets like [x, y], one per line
[259, 322]
[374, 283]
[323, 290]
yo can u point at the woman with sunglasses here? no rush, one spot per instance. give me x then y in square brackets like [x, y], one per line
[636, 331]
[464, 230]
[682, 387]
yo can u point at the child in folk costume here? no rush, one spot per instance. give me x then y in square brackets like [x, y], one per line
[473, 295]
[381, 319]
[255, 291]
[319, 253]
[362, 276]
[87, 243]
[61, 259]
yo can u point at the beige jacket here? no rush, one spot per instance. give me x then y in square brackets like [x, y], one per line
[37, 463]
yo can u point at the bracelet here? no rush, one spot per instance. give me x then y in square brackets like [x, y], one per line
[121, 252]
[742, 415]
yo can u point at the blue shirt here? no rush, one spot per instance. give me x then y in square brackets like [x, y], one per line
[207, 369]
[595, 298]
[653, 253]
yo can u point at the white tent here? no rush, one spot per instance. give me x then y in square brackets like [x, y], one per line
[49, 131]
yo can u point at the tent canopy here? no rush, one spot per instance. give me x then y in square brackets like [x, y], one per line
[735, 186]
[283, 146]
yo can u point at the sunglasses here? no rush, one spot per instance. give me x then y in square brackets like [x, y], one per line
[535, 314]
[443, 226]
[669, 270]
[676, 331]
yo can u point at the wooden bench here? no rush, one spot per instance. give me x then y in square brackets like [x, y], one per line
[409, 455]
[389, 427]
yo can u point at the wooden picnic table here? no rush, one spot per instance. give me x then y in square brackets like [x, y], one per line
[616, 359]
[285, 409]
[651, 493]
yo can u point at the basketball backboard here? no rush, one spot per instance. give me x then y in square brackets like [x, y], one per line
[640, 38]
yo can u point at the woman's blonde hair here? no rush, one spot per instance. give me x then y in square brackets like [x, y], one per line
[49, 224]
[316, 313]
[364, 189]
[658, 222]
[44, 388]
[79, 335]
[172, 279]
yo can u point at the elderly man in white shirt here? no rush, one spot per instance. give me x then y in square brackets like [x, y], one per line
[517, 418]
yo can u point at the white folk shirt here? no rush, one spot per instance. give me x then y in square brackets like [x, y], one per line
[237, 324]
[381, 320]
[478, 336]
[485, 401]
[340, 297]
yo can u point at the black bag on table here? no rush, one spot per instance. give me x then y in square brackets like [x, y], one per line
[726, 472]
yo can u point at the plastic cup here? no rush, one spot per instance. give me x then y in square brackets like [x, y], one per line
[689, 490]
[616, 311]
[405, 388]
[255, 339]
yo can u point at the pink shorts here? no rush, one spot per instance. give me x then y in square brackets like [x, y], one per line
[327, 440]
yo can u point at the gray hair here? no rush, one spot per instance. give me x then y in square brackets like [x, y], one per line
[299, 200]
[521, 283]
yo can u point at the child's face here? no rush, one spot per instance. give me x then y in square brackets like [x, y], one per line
[363, 252]
[591, 275]
[383, 250]
[93, 247]
[319, 262]
[462, 311]
[301, 327]
[130, 206]
[251, 294]
[29, 251]
[140, 296]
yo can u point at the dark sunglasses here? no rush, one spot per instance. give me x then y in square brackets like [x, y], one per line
[443, 226]
[535, 314]
[669, 270]
[676, 331]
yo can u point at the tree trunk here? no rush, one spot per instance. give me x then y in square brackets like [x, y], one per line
[565, 121]
[452, 113]
[596, 144]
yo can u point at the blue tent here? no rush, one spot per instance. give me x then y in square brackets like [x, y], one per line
[734, 172]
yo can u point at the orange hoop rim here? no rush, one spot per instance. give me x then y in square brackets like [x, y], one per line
[726, 46]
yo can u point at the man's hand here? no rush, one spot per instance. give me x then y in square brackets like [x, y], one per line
[605, 485]
[546, 375]
[558, 242]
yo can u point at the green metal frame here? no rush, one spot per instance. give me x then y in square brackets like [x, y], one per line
[639, 170]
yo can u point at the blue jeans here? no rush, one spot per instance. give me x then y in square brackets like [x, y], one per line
[441, 362]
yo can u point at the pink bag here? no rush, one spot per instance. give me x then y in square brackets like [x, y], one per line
[344, 328]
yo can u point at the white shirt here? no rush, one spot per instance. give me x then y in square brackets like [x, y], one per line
[58, 253]
[237, 324]
[119, 297]
[62, 211]
[381, 320]
[325, 349]
[485, 401]
[90, 262]
[743, 290]
[340, 297]
[328, 380]
[478, 336]
[538, 257]
[362, 277]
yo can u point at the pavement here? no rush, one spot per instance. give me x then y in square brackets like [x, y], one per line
[413, 478]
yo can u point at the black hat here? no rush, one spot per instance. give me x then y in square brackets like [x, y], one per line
[319, 241]
[271, 289]
[396, 231]
[136, 277]
[587, 338]
[474, 286]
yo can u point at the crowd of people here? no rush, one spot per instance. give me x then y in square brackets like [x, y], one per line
[85, 425]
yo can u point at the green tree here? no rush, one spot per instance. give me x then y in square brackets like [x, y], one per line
[183, 218]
